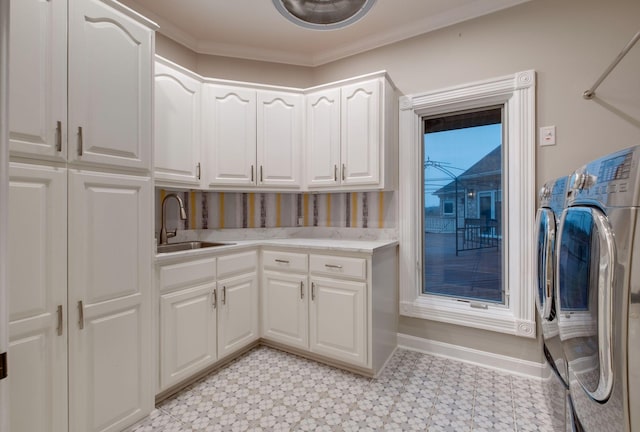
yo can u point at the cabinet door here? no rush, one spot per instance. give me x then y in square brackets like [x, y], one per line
[338, 319]
[177, 127]
[110, 261]
[361, 125]
[279, 139]
[38, 71]
[111, 84]
[37, 288]
[187, 333]
[285, 313]
[323, 138]
[237, 313]
[230, 135]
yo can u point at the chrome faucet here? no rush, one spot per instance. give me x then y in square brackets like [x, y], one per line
[164, 234]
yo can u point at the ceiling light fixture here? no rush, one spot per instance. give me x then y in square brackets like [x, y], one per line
[323, 14]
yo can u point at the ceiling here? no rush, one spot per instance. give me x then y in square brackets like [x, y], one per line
[254, 29]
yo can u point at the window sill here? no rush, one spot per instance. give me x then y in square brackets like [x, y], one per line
[496, 318]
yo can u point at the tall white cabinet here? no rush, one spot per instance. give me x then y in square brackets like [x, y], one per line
[38, 297]
[80, 206]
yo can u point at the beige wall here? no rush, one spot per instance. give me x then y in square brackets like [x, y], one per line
[233, 68]
[568, 42]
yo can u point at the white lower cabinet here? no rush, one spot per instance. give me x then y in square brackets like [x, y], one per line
[238, 313]
[322, 314]
[203, 320]
[187, 319]
[338, 319]
[285, 310]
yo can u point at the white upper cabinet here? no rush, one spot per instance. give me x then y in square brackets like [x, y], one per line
[351, 136]
[110, 86]
[252, 137]
[323, 138]
[361, 133]
[230, 135]
[279, 139]
[177, 126]
[38, 71]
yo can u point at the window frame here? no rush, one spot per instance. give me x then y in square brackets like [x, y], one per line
[516, 93]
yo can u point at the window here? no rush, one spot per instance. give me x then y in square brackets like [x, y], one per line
[510, 307]
[462, 159]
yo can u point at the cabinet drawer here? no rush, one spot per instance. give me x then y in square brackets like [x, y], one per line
[338, 266]
[244, 262]
[187, 273]
[285, 261]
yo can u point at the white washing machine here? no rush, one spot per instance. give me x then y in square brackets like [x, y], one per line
[555, 379]
[598, 292]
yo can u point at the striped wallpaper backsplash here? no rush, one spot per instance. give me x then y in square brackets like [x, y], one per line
[215, 210]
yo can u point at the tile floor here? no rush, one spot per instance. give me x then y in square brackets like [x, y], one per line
[270, 390]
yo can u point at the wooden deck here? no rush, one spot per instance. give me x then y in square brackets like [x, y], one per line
[474, 274]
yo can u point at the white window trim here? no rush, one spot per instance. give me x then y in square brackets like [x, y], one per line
[517, 93]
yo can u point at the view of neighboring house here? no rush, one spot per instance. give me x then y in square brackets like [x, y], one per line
[478, 192]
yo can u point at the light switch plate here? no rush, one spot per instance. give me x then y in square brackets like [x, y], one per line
[547, 135]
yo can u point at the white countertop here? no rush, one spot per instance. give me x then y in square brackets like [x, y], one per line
[307, 244]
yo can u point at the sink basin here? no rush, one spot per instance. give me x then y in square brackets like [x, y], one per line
[182, 246]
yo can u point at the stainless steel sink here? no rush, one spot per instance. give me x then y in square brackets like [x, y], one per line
[182, 246]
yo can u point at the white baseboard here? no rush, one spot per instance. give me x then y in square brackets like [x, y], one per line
[486, 359]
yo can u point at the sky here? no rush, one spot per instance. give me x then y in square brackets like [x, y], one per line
[458, 148]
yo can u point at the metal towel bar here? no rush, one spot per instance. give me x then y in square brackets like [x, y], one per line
[589, 94]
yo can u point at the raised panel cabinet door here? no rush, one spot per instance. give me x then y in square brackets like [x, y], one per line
[323, 138]
[110, 86]
[361, 137]
[285, 312]
[37, 298]
[230, 135]
[177, 126]
[279, 139]
[338, 319]
[187, 333]
[237, 313]
[38, 71]
[110, 263]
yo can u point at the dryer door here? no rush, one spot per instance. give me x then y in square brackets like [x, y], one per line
[585, 265]
[545, 235]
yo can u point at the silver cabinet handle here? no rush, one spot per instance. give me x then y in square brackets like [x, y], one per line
[282, 261]
[335, 173]
[80, 315]
[198, 170]
[335, 266]
[301, 290]
[59, 327]
[251, 172]
[80, 143]
[224, 295]
[59, 136]
[313, 291]
[344, 168]
[214, 299]
[260, 173]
